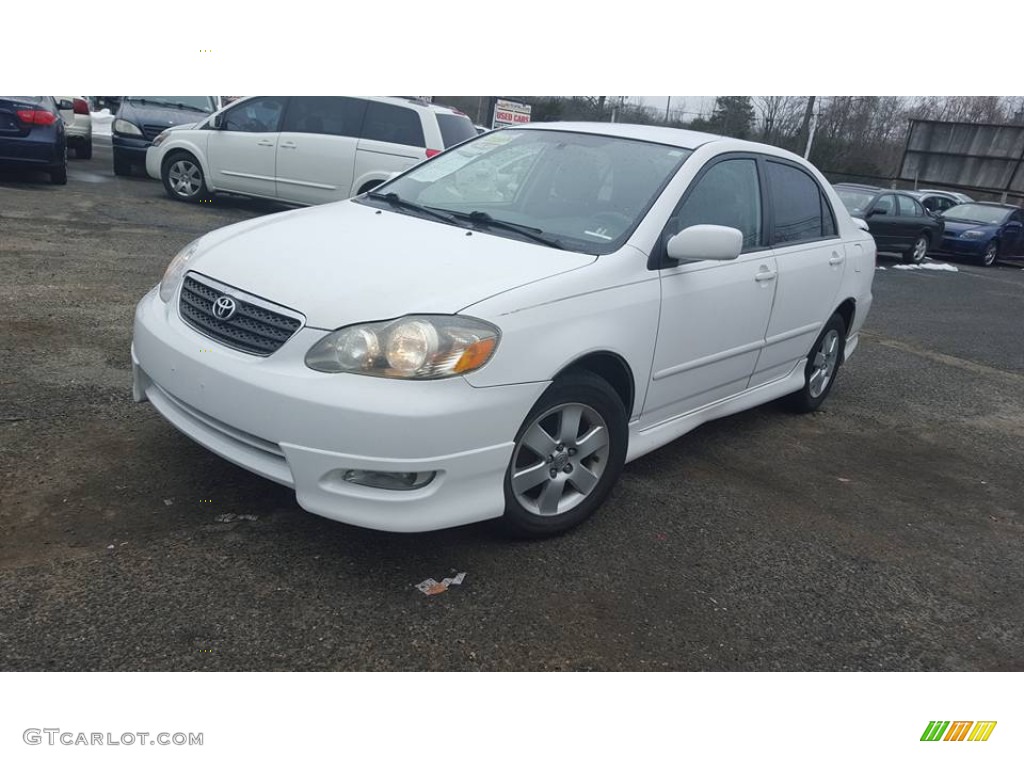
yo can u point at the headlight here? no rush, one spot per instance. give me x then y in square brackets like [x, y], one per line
[160, 138]
[176, 269]
[412, 347]
[974, 234]
[123, 126]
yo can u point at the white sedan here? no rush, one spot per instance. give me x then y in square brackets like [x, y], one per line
[495, 332]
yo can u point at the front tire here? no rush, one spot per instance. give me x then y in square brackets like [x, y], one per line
[823, 365]
[991, 254]
[183, 178]
[122, 166]
[917, 252]
[567, 456]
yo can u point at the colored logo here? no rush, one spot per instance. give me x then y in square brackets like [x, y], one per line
[958, 730]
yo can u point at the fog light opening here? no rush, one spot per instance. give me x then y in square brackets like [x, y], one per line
[389, 481]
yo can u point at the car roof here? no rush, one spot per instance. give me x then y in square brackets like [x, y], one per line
[862, 187]
[1007, 206]
[677, 137]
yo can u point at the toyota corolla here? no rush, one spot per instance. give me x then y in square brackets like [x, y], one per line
[497, 331]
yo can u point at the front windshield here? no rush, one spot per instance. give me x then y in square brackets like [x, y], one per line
[585, 191]
[199, 103]
[979, 214]
[856, 202]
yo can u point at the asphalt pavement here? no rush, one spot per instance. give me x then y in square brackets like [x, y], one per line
[885, 532]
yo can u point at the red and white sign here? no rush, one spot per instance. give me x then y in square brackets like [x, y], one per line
[510, 113]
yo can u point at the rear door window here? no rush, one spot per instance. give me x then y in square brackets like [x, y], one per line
[329, 115]
[908, 206]
[798, 213]
[393, 124]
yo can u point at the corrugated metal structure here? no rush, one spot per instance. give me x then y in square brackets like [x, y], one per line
[971, 156]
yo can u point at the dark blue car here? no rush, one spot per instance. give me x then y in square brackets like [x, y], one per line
[32, 135]
[985, 232]
[140, 119]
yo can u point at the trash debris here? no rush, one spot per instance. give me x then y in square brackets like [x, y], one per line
[110, 546]
[432, 587]
[168, 502]
[882, 269]
[843, 479]
[230, 517]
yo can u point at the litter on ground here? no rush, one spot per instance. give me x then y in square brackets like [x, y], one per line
[932, 265]
[230, 518]
[432, 587]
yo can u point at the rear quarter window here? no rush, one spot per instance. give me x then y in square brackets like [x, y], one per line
[455, 129]
[393, 124]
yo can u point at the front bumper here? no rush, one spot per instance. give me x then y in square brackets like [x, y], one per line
[130, 148]
[303, 429]
[962, 247]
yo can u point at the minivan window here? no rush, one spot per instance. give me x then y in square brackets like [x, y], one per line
[796, 204]
[331, 115]
[393, 124]
[260, 115]
[455, 129]
[728, 195]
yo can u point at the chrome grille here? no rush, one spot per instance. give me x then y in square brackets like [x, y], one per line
[253, 328]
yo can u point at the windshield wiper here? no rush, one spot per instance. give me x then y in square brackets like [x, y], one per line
[532, 233]
[395, 201]
[188, 106]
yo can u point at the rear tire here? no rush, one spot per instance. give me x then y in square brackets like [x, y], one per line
[59, 173]
[823, 363]
[991, 254]
[916, 253]
[567, 456]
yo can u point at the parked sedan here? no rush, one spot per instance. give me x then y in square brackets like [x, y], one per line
[985, 232]
[935, 201]
[33, 135]
[897, 221]
[437, 352]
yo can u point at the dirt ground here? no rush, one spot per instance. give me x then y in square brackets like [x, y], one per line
[885, 532]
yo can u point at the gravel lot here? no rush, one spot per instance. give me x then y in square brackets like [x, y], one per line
[885, 532]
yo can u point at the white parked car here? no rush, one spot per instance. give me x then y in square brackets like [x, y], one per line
[462, 344]
[78, 125]
[302, 149]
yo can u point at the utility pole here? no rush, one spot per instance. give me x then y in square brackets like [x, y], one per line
[805, 127]
[810, 133]
[668, 106]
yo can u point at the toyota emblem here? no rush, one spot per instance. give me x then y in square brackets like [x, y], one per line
[224, 308]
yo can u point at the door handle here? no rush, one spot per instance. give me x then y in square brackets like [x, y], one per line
[836, 259]
[265, 143]
[288, 145]
[765, 275]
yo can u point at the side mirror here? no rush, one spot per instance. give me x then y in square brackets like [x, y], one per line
[878, 212]
[217, 122]
[705, 242]
[65, 104]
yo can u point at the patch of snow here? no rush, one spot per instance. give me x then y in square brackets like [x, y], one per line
[101, 122]
[935, 266]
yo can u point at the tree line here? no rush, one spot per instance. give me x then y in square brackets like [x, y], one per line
[853, 135]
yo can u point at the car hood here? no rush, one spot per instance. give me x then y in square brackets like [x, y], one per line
[152, 114]
[345, 263]
[953, 227]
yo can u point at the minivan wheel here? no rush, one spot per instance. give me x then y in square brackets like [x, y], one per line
[822, 366]
[567, 456]
[991, 254]
[183, 177]
[917, 251]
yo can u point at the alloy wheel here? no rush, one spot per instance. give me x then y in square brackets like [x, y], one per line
[920, 249]
[185, 177]
[825, 361]
[990, 254]
[560, 459]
